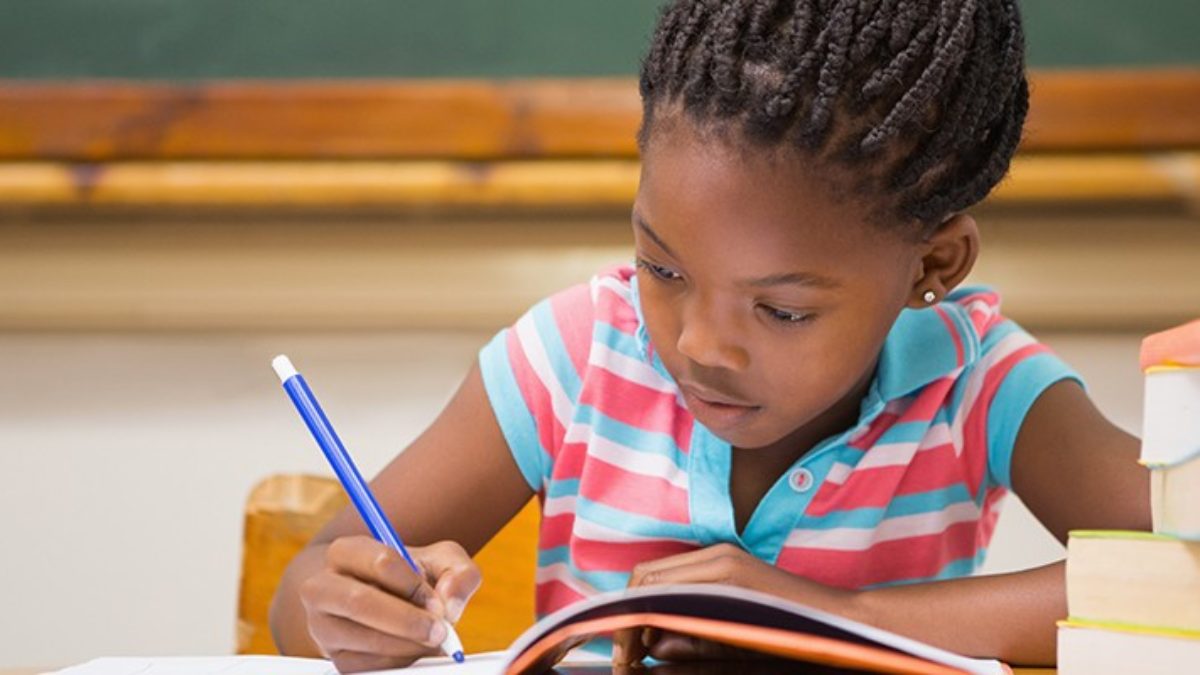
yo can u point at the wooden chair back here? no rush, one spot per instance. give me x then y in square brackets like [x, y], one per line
[284, 511]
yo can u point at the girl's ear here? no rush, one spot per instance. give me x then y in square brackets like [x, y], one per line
[949, 255]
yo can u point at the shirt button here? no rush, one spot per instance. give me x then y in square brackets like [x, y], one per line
[801, 480]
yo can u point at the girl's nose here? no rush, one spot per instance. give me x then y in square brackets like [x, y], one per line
[705, 341]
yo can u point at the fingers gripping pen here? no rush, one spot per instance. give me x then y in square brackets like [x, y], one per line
[347, 473]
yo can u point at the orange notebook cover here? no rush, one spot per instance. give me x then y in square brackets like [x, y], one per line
[743, 618]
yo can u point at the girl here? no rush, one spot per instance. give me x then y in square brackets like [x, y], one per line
[790, 393]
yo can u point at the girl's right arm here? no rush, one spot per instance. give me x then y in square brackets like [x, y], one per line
[351, 599]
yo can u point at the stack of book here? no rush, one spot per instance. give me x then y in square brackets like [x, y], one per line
[1134, 597]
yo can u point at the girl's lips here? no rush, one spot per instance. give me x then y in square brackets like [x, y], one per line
[709, 396]
[717, 414]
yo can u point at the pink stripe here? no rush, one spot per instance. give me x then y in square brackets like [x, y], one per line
[864, 488]
[535, 395]
[612, 306]
[992, 505]
[986, 321]
[572, 312]
[878, 427]
[629, 402]
[555, 530]
[622, 556]
[975, 425]
[981, 319]
[631, 492]
[552, 596]
[825, 501]
[623, 321]
[683, 432]
[570, 461]
[934, 468]
[928, 401]
[638, 406]
[953, 331]
[931, 469]
[896, 560]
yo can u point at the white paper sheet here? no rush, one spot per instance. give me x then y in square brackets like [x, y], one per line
[483, 663]
[489, 663]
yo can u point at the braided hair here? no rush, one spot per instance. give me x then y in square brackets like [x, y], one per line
[923, 99]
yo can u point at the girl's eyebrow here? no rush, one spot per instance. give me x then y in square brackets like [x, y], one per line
[645, 227]
[797, 278]
[781, 279]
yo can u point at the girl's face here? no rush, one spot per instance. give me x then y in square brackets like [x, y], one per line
[767, 300]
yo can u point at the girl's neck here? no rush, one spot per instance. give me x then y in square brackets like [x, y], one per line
[754, 470]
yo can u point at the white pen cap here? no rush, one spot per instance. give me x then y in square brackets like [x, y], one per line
[283, 367]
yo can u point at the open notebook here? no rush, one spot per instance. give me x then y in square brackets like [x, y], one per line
[748, 619]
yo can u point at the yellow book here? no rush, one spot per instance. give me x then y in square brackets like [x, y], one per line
[1134, 579]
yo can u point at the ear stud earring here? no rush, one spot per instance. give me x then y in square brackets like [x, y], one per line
[929, 297]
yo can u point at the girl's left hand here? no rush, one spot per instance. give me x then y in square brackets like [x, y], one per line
[720, 564]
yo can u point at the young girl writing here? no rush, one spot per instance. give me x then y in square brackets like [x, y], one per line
[790, 393]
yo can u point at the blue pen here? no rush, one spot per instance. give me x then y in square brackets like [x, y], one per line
[347, 473]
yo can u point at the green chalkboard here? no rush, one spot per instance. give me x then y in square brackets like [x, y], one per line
[209, 39]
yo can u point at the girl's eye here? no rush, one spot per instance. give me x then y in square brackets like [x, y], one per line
[659, 271]
[786, 317]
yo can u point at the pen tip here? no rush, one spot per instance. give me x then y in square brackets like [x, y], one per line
[459, 658]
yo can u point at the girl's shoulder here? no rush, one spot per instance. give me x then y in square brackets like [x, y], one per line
[575, 317]
[613, 295]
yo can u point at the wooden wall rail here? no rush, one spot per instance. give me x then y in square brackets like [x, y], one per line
[1111, 167]
[487, 120]
[603, 183]
[1076, 267]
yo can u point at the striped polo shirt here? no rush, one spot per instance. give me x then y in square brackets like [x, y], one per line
[625, 473]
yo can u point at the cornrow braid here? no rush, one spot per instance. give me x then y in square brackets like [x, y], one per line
[927, 98]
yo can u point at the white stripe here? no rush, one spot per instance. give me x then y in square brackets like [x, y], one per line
[578, 433]
[889, 529]
[531, 345]
[892, 454]
[936, 435]
[888, 454]
[1006, 346]
[561, 573]
[642, 463]
[838, 473]
[981, 306]
[556, 506]
[613, 284]
[902, 453]
[627, 368]
[593, 531]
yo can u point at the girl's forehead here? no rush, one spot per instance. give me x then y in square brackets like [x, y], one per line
[688, 176]
[741, 214]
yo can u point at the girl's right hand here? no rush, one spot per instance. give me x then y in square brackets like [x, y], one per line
[367, 610]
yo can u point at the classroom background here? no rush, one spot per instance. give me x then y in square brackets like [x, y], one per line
[188, 188]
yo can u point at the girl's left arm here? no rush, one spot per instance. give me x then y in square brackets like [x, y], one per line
[1074, 470]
